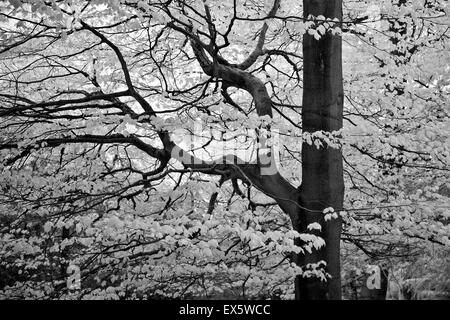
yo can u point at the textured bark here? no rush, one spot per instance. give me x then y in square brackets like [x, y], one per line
[322, 173]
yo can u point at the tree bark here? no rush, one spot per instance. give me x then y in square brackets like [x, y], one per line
[322, 172]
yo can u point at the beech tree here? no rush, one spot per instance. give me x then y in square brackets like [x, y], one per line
[198, 148]
[322, 172]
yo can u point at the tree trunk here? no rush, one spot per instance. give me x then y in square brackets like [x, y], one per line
[322, 180]
[322, 173]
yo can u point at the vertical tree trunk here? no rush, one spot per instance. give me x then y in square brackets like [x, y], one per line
[322, 173]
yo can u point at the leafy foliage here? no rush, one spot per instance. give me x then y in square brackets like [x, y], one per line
[97, 98]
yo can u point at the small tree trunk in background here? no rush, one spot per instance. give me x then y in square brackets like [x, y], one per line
[322, 172]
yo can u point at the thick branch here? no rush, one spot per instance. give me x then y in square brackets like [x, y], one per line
[258, 51]
[274, 186]
[17, 109]
[237, 78]
[89, 138]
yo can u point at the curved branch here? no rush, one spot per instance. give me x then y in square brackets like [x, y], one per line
[274, 186]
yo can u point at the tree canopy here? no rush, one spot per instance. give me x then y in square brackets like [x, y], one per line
[135, 134]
